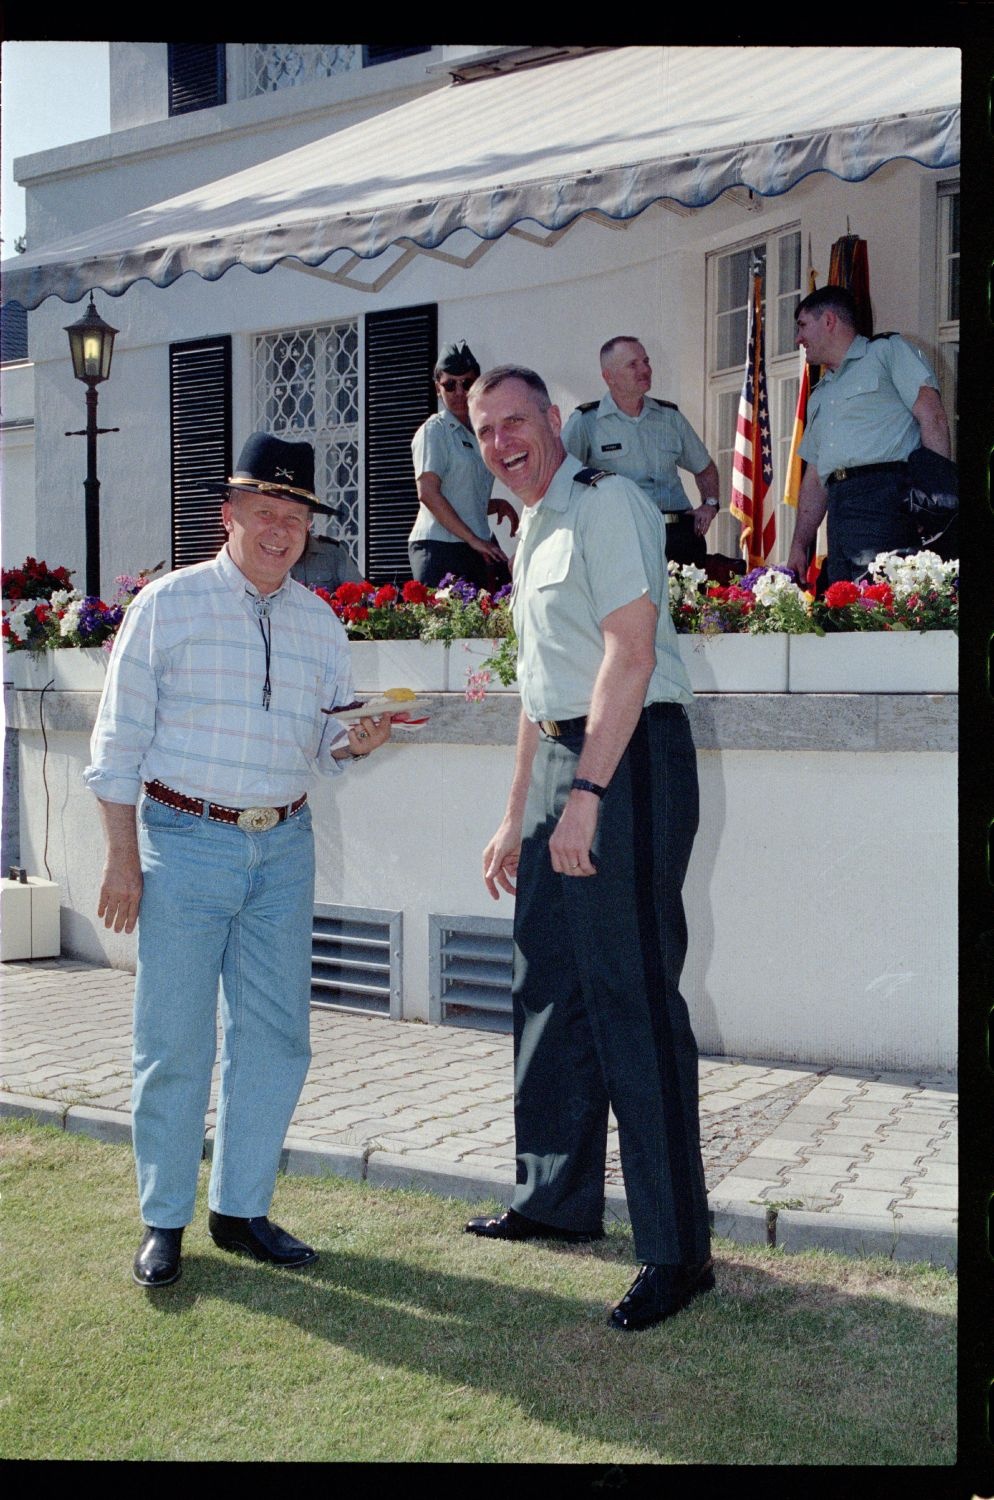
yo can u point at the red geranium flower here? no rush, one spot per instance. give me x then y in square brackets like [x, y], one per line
[386, 595]
[838, 595]
[351, 593]
[354, 612]
[414, 592]
[323, 594]
[878, 593]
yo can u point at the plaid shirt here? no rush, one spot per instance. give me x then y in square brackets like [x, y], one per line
[183, 699]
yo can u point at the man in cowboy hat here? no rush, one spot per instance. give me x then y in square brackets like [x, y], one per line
[213, 707]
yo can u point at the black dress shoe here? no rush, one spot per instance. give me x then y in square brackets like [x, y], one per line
[660, 1291]
[157, 1261]
[260, 1239]
[514, 1226]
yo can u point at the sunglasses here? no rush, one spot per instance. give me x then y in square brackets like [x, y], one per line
[463, 381]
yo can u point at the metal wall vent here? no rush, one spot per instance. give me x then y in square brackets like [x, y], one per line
[469, 971]
[356, 954]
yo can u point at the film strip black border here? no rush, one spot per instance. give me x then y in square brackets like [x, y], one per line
[976, 462]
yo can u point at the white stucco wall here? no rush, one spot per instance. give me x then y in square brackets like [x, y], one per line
[821, 896]
[547, 307]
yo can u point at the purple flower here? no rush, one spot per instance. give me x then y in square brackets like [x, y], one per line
[751, 579]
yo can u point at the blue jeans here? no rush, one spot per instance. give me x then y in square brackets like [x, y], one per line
[219, 905]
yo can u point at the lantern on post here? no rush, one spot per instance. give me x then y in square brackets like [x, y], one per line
[91, 344]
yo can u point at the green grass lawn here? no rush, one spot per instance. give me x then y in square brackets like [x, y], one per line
[412, 1341]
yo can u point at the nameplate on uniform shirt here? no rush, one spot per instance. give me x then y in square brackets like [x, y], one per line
[610, 447]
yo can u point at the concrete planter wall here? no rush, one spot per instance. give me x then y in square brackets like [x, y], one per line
[425, 666]
[905, 661]
[76, 669]
[735, 663]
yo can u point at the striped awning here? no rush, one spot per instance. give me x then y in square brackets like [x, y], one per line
[612, 131]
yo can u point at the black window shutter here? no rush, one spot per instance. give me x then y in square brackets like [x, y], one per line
[200, 440]
[13, 332]
[401, 348]
[196, 76]
[379, 53]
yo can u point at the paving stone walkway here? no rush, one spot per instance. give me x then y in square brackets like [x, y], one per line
[798, 1155]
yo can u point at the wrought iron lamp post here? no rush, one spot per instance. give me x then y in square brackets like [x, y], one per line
[91, 343]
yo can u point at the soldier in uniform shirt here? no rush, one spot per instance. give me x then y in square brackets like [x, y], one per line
[629, 432]
[876, 402]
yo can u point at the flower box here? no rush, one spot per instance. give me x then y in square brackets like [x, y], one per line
[898, 661]
[74, 669]
[421, 665]
[735, 663]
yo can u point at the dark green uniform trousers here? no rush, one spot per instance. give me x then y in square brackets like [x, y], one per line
[598, 1014]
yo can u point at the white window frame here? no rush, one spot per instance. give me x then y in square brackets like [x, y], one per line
[947, 323]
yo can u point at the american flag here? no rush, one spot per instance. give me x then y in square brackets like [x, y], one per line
[752, 464]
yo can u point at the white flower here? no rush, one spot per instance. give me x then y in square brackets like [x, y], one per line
[70, 620]
[773, 586]
[17, 617]
[62, 597]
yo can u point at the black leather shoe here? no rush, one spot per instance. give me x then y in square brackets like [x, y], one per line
[157, 1262]
[514, 1226]
[260, 1239]
[660, 1291]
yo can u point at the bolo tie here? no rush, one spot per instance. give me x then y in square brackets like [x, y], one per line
[262, 609]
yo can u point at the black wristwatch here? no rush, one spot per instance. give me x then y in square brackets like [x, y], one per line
[579, 785]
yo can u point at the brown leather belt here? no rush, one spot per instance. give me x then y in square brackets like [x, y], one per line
[838, 475]
[251, 819]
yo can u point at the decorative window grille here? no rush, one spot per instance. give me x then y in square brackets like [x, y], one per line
[356, 955]
[286, 65]
[196, 76]
[729, 285]
[200, 444]
[307, 388]
[469, 971]
[948, 284]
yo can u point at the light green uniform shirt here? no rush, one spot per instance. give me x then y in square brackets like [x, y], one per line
[861, 412]
[443, 446]
[584, 551]
[648, 448]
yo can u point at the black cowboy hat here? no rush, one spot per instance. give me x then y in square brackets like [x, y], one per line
[272, 466]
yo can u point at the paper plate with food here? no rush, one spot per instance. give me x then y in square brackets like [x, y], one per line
[402, 704]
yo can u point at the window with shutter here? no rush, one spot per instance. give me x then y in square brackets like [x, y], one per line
[401, 348]
[378, 53]
[200, 439]
[196, 76]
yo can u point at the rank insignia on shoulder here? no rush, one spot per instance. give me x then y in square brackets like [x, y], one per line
[654, 401]
[588, 406]
[591, 476]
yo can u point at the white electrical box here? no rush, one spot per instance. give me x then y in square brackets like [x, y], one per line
[29, 919]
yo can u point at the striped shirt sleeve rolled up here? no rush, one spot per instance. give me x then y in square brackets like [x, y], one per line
[183, 701]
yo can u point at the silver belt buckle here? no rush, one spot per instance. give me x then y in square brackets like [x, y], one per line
[258, 819]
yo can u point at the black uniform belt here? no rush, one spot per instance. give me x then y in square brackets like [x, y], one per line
[837, 475]
[554, 728]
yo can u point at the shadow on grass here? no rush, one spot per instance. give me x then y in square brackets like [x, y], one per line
[763, 1370]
